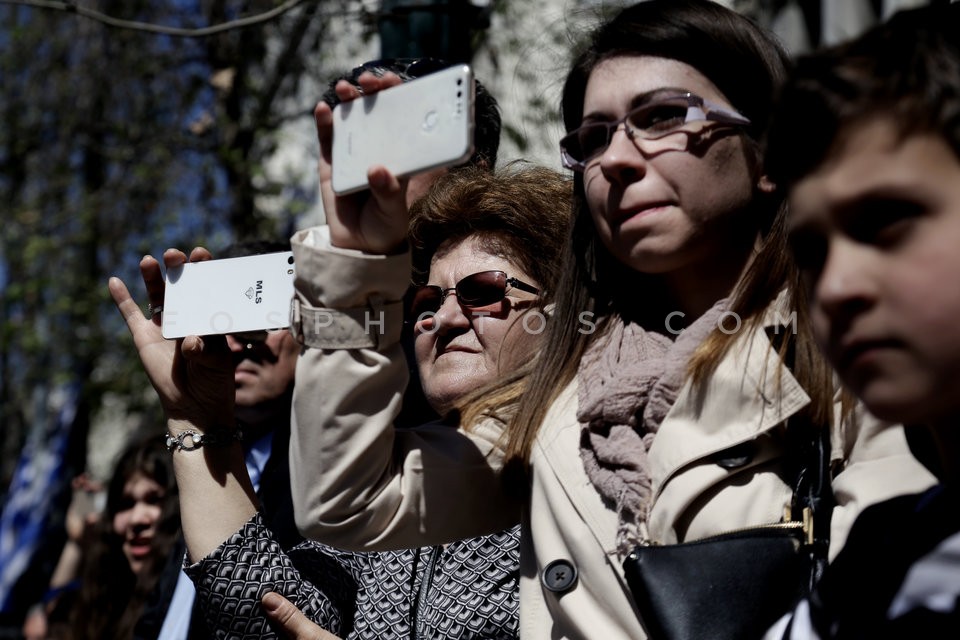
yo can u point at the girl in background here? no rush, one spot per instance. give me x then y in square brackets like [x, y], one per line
[128, 547]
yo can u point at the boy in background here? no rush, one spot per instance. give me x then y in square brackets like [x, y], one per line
[866, 142]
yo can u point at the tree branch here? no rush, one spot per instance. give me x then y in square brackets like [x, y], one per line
[71, 7]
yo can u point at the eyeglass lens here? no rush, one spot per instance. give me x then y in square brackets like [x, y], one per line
[251, 337]
[253, 347]
[475, 290]
[655, 121]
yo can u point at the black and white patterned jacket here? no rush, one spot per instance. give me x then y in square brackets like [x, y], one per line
[464, 590]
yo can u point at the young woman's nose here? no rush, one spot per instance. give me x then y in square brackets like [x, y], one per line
[622, 161]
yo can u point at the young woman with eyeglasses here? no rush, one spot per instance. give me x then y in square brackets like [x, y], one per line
[630, 431]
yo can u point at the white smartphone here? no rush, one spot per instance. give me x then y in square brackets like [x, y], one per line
[419, 125]
[249, 293]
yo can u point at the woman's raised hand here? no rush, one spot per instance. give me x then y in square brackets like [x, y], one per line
[193, 376]
[374, 221]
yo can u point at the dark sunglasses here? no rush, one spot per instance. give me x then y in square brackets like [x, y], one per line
[251, 338]
[476, 290]
[255, 347]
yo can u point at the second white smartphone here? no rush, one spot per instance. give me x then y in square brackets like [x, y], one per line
[419, 125]
[230, 295]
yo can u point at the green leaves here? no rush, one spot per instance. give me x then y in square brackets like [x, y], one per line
[101, 161]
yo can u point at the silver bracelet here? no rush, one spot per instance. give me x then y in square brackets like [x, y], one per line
[190, 440]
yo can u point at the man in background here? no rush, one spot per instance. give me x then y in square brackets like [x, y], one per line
[265, 362]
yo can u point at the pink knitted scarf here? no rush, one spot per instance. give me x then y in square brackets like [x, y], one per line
[628, 380]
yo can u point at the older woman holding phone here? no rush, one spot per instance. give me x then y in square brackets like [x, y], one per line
[484, 249]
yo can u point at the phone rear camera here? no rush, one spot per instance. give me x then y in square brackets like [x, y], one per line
[430, 121]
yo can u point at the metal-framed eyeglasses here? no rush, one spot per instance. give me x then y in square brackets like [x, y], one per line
[663, 121]
[476, 290]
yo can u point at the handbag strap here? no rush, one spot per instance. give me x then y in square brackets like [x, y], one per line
[808, 464]
[809, 449]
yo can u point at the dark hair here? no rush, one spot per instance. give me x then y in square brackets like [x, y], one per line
[747, 65]
[244, 248]
[742, 59]
[486, 131]
[906, 70]
[111, 597]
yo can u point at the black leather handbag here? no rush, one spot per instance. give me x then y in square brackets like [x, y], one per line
[734, 586]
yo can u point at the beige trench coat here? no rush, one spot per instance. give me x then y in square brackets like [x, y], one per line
[360, 484]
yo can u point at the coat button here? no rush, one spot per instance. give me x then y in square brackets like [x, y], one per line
[559, 576]
[736, 456]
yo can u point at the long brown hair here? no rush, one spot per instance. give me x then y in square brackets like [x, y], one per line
[747, 65]
[111, 597]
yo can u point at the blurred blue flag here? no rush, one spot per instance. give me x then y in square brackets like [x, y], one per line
[38, 484]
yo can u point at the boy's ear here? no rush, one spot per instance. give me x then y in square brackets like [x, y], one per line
[766, 185]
